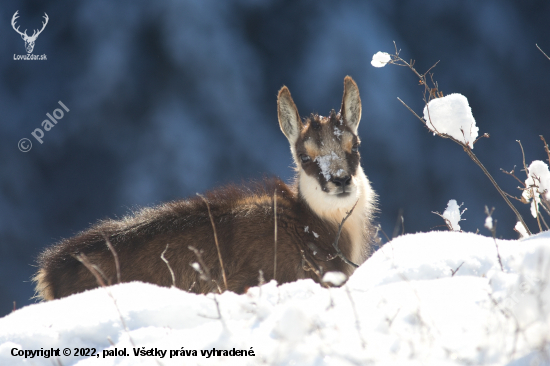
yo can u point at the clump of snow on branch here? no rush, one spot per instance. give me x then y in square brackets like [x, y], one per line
[537, 184]
[380, 59]
[489, 223]
[452, 215]
[452, 115]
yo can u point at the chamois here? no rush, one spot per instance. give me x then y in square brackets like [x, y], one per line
[329, 182]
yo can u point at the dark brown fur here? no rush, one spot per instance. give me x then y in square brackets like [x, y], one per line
[244, 223]
[244, 220]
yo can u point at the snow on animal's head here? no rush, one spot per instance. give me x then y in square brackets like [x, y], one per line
[326, 150]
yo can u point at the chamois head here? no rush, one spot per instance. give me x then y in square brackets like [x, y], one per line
[326, 152]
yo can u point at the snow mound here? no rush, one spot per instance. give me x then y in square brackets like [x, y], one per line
[437, 298]
[452, 115]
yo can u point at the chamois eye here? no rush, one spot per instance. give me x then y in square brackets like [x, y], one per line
[305, 158]
[355, 148]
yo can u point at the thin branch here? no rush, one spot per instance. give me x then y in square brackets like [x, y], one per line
[397, 60]
[513, 175]
[335, 244]
[311, 266]
[485, 135]
[514, 197]
[478, 162]
[168, 264]
[275, 235]
[523, 155]
[546, 148]
[215, 239]
[542, 51]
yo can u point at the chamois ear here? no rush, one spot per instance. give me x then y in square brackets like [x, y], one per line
[289, 118]
[351, 104]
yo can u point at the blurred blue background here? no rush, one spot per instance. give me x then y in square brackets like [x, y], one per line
[169, 98]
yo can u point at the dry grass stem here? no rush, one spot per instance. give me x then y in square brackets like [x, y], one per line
[215, 239]
[357, 322]
[275, 236]
[168, 265]
[335, 244]
[98, 274]
[115, 256]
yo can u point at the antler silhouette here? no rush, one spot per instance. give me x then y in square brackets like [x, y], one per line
[29, 41]
[15, 16]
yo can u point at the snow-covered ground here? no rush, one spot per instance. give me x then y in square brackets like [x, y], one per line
[438, 298]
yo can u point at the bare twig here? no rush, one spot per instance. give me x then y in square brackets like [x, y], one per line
[215, 239]
[447, 222]
[523, 156]
[546, 148]
[399, 224]
[542, 51]
[219, 312]
[493, 229]
[357, 322]
[214, 297]
[115, 256]
[379, 227]
[275, 236]
[335, 244]
[311, 266]
[456, 270]
[168, 264]
[513, 175]
[485, 135]
[397, 60]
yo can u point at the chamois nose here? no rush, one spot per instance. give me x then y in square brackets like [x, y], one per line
[341, 182]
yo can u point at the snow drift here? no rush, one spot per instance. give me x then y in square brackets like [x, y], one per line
[437, 298]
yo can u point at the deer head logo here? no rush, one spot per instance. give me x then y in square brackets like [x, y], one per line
[29, 41]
